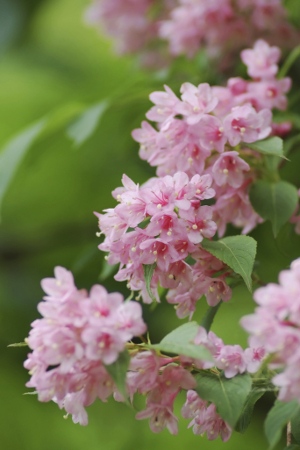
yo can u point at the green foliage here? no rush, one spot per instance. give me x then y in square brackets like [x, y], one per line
[293, 141]
[106, 271]
[270, 146]
[148, 274]
[295, 423]
[292, 447]
[246, 414]
[274, 201]
[290, 60]
[118, 371]
[277, 418]
[228, 394]
[15, 150]
[13, 153]
[85, 125]
[181, 342]
[238, 252]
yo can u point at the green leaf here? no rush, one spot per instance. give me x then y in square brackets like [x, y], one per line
[291, 142]
[13, 153]
[278, 417]
[107, 271]
[246, 414]
[228, 394]
[271, 146]
[285, 240]
[85, 125]
[148, 274]
[295, 422]
[209, 316]
[293, 56]
[274, 201]
[272, 163]
[118, 371]
[181, 342]
[238, 252]
[60, 118]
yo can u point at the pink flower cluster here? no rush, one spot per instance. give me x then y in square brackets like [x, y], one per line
[160, 379]
[231, 359]
[162, 223]
[126, 21]
[205, 418]
[207, 130]
[133, 25]
[76, 337]
[200, 150]
[226, 26]
[275, 325]
[222, 27]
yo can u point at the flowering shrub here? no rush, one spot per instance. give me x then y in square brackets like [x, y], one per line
[218, 151]
[158, 30]
[80, 337]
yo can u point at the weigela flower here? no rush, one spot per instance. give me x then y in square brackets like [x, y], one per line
[160, 400]
[275, 326]
[205, 418]
[166, 221]
[78, 334]
[158, 31]
[206, 130]
[262, 60]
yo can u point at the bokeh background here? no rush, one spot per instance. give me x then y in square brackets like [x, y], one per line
[54, 67]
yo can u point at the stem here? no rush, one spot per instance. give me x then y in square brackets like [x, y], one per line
[288, 434]
[208, 319]
[257, 280]
[293, 56]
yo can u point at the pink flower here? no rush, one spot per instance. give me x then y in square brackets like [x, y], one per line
[166, 104]
[269, 93]
[217, 290]
[199, 224]
[61, 287]
[254, 358]
[197, 101]
[231, 360]
[143, 372]
[160, 401]
[244, 124]
[212, 135]
[229, 168]
[212, 424]
[262, 60]
[234, 207]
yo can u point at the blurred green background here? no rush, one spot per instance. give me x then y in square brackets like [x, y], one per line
[53, 66]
